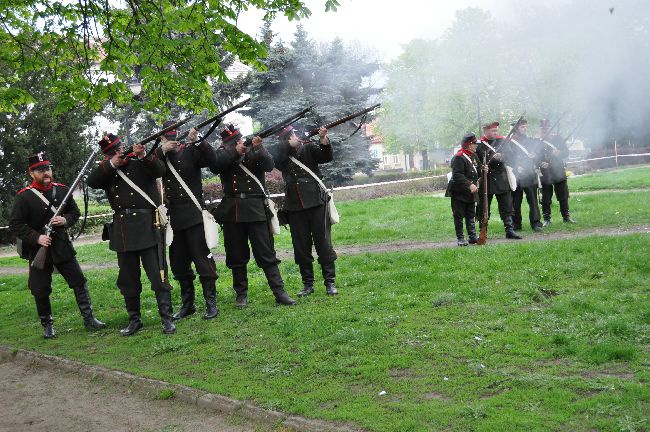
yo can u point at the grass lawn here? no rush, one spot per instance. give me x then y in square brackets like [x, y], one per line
[625, 178]
[533, 336]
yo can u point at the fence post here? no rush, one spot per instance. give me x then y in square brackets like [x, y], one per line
[616, 154]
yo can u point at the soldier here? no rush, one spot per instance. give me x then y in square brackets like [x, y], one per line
[554, 174]
[34, 207]
[243, 214]
[525, 157]
[498, 184]
[189, 245]
[463, 189]
[305, 206]
[134, 233]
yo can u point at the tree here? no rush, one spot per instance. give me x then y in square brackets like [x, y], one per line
[173, 46]
[35, 128]
[332, 77]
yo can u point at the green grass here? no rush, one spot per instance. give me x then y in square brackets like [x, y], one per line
[625, 178]
[517, 336]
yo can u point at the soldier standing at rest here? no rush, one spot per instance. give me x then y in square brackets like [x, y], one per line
[34, 207]
[135, 232]
[463, 189]
[305, 205]
[498, 184]
[243, 214]
[554, 174]
[189, 245]
[525, 158]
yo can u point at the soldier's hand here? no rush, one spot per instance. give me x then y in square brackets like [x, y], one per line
[473, 188]
[44, 240]
[193, 135]
[322, 133]
[117, 160]
[139, 150]
[497, 157]
[169, 146]
[58, 221]
[544, 165]
[257, 141]
[240, 148]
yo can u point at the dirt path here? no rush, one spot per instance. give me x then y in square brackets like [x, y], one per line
[38, 399]
[404, 246]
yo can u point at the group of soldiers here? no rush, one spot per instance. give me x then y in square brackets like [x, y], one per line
[515, 167]
[137, 232]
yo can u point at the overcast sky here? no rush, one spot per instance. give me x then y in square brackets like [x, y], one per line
[380, 25]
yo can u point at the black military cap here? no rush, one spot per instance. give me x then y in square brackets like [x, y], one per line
[38, 160]
[109, 142]
[170, 134]
[230, 133]
[468, 138]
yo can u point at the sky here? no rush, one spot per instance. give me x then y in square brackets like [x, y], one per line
[382, 26]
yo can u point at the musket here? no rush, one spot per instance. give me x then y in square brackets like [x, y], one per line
[156, 135]
[314, 131]
[39, 259]
[557, 122]
[482, 238]
[219, 117]
[577, 128]
[280, 125]
[508, 137]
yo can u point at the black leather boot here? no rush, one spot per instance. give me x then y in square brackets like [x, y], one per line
[44, 309]
[187, 300]
[460, 235]
[48, 326]
[471, 230]
[329, 277]
[510, 230]
[210, 296]
[240, 285]
[564, 210]
[164, 300]
[276, 284]
[133, 309]
[307, 274]
[86, 308]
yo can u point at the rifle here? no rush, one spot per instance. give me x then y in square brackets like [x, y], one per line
[508, 137]
[577, 128]
[314, 131]
[156, 136]
[548, 132]
[280, 125]
[219, 117]
[39, 259]
[482, 238]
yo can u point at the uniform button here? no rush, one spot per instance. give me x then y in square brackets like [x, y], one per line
[117, 196]
[131, 193]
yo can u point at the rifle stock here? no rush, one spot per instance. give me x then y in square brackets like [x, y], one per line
[39, 259]
[157, 135]
[482, 237]
[314, 132]
[280, 125]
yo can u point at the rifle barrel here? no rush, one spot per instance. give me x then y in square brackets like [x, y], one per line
[222, 114]
[284, 123]
[158, 134]
[314, 132]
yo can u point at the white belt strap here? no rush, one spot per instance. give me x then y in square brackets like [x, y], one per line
[489, 146]
[187, 189]
[136, 188]
[470, 161]
[310, 172]
[254, 177]
[521, 148]
[549, 144]
[40, 195]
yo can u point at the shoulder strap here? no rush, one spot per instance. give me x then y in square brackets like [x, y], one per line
[182, 182]
[489, 146]
[254, 177]
[520, 147]
[549, 144]
[470, 161]
[310, 172]
[136, 188]
[40, 195]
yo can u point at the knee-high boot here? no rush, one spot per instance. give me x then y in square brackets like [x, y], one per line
[187, 300]
[329, 277]
[240, 285]
[471, 230]
[210, 296]
[460, 235]
[44, 309]
[133, 309]
[276, 284]
[86, 308]
[164, 300]
[307, 275]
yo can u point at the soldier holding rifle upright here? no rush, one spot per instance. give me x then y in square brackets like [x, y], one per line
[34, 207]
[490, 149]
[244, 215]
[305, 204]
[130, 185]
[554, 174]
[463, 189]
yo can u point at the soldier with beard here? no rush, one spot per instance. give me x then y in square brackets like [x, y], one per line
[554, 174]
[34, 207]
[189, 245]
[244, 215]
[463, 189]
[134, 234]
[490, 149]
[525, 157]
[305, 205]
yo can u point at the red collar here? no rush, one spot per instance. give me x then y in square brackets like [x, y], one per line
[463, 151]
[39, 187]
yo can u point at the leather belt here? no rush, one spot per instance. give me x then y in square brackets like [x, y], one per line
[134, 211]
[244, 196]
